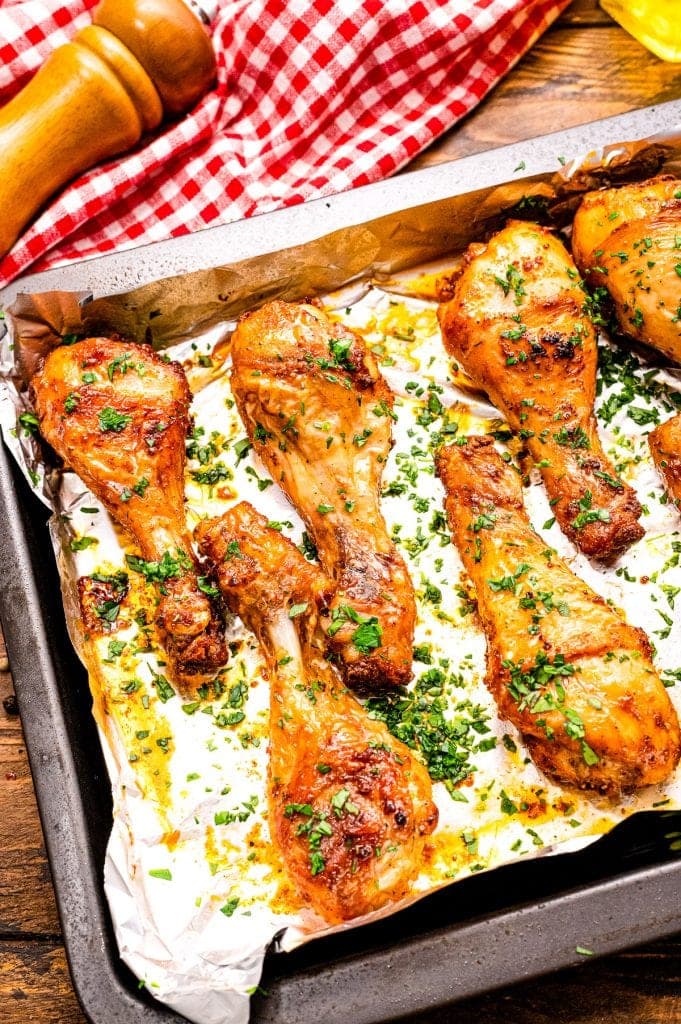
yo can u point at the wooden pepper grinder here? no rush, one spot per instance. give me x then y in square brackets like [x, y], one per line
[95, 97]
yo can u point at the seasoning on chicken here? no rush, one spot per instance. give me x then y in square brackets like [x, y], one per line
[350, 806]
[563, 666]
[117, 414]
[626, 240]
[665, 448]
[516, 323]
[319, 416]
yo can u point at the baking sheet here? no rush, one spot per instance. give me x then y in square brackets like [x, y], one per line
[365, 309]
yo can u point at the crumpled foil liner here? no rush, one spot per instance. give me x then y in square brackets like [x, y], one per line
[197, 893]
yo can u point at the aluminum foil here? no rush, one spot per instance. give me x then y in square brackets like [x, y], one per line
[197, 892]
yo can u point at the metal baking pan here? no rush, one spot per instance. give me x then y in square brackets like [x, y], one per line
[487, 931]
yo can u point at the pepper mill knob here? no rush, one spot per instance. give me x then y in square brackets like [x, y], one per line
[95, 97]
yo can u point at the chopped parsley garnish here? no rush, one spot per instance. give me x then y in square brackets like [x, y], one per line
[233, 551]
[631, 383]
[485, 521]
[260, 434]
[512, 282]
[162, 686]
[170, 566]
[120, 363]
[529, 689]
[432, 409]
[669, 622]
[141, 486]
[509, 582]
[116, 648]
[340, 351]
[643, 416]
[514, 333]
[262, 482]
[211, 476]
[367, 636]
[506, 805]
[118, 588]
[359, 440]
[611, 481]
[422, 653]
[315, 827]
[240, 813]
[206, 587]
[275, 524]
[587, 514]
[224, 719]
[383, 409]
[81, 543]
[109, 419]
[572, 437]
[29, 421]
[203, 453]
[424, 719]
[289, 426]
[230, 906]
[340, 802]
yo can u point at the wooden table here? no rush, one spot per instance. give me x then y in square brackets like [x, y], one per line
[585, 67]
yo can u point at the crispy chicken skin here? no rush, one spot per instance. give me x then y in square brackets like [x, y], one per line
[516, 324]
[665, 448]
[626, 240]
[563, 666]
[118, 417]
[319, 415]
[340, 787]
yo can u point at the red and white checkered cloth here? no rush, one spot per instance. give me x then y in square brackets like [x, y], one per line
[312, 98]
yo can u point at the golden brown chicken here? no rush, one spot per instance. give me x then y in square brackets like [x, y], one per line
[563, 666]
[350, 806]
[665, 448]
[117, 414]
[628, 240]
[319, 415]
[517, 325]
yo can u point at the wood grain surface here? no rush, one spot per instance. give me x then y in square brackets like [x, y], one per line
[584, 68]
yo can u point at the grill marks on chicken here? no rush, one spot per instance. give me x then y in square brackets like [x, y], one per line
[117, 415]
[576, 680]
[665, 448]
[350, 806]
[516, 324]
[319, 414]
[626, 240]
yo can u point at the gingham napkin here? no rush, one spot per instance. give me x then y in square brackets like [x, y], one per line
[312, 98]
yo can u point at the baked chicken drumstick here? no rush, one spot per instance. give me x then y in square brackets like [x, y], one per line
[665, 448]
[627, 240]
[319, 413]
[516, 323]
[350, 807]
[564, 667]
[118, 417]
